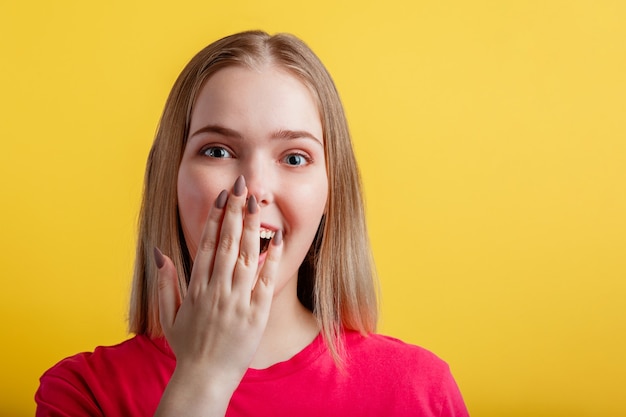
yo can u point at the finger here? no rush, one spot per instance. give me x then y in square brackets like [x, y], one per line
[227, 249]
[203, 262]
[248, 259]
[264, 288]
[168, 291]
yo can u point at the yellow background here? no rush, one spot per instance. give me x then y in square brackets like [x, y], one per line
[492, 140]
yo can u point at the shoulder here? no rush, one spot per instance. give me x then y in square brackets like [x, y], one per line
[410, 376]
[78, 383]
[389, 352]
[107, 359]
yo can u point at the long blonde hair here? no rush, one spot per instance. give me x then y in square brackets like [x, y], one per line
[336, 280]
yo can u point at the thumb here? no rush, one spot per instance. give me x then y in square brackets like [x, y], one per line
[169, 293]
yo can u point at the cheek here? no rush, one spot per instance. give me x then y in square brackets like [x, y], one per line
[308, 204]
[195, 196]
[318, 203]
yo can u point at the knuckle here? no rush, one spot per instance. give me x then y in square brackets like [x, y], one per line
[265, 276]
[193, 296]
[233, 208]
[163, 283]
[226, 242]
[221, 305]
[242, 309]
[207, 245]
[246, 259]
[215, 300]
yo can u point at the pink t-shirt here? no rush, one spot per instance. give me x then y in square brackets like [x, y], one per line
[382, 377]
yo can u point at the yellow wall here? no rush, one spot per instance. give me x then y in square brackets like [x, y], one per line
[492, 140]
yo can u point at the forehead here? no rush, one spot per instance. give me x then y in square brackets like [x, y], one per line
[259, 99]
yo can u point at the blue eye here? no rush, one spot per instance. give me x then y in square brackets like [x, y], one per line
[296, 159]
[216, 152]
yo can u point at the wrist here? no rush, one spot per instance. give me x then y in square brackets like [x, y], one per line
[210, 382]
[194, 391]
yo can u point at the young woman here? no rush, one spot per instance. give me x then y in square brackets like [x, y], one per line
[254, 290]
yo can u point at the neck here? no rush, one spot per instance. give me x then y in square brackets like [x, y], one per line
[290, 328]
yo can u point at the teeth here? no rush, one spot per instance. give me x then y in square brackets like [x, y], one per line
[267, 234]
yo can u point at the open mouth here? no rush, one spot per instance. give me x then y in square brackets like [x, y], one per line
[266, 236]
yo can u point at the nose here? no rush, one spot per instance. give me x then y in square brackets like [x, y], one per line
[258, 180]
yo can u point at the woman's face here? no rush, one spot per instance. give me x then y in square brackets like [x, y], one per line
[262, 124]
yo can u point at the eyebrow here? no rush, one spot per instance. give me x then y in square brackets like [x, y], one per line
[294, 134]
[220, 130]
[285, 134]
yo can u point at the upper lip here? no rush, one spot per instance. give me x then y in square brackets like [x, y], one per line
[269, 227]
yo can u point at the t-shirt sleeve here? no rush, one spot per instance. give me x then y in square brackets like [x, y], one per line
[452, 403]
[63, 393]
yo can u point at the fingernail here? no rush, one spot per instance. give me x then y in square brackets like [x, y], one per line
[220, 201]
[159, 259]
[240, 184]
[252, 205]
[278, 238]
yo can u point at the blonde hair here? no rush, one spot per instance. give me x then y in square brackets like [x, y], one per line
[336, 280]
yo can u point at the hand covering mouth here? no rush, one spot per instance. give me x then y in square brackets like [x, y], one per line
[265, 236]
